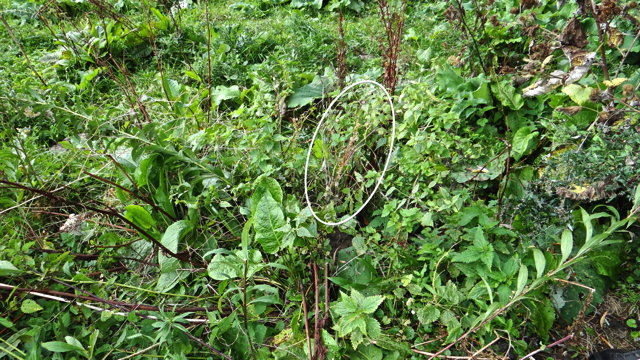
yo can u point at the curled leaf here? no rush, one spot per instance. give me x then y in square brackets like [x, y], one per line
[569, 110]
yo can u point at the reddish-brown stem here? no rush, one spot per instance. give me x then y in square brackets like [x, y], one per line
[602, 43]
[306, 319]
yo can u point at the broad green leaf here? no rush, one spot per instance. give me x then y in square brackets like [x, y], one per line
[268, 218]
[523, 276]
[139, 215]
[167, 281]
[59, 346]
[73, 341]
[172, 87]
[448, 80]
[170, 239]
[579, 94]
[373, 327]
[7, 268]
[106, 315]
[192, 75]
[173, 234]
[566, 245]
[522, 142]
[304, 95]
[224, 48]
[369, 352]
[224, 267]
[6, 323]
[508, 95]
[540, 261]
[221, 93]
[29, 306]
[266, 185]
[267, 299]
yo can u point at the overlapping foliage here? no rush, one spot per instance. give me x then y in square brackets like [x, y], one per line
[153, 160]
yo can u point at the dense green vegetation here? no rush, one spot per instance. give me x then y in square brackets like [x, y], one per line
[153, 180]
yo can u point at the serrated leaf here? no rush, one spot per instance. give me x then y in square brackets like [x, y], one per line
[566, 245]
[268, 218]
[140, 215]
[373, 327]
[29, 306]
[356, 338]
[428, 314]
[370, 304]
[540, 261]
[7, 268]
[543, 317]
[467, 256]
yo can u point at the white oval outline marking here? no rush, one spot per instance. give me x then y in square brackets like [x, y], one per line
[393, 135]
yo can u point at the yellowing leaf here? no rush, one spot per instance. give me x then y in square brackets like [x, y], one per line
[615, 82]
[579, 94]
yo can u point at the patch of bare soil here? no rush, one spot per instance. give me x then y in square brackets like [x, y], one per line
[605, 328]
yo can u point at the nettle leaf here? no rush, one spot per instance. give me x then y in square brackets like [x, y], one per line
[356, 338]
[29, 306]
[428, 314]
[543, 317]
[467, 256]
[373, 327]
[268, 218]
[370, 304]
[351, 323]
[139, 215]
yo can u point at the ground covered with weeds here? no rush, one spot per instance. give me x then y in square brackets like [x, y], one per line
[180, 180]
